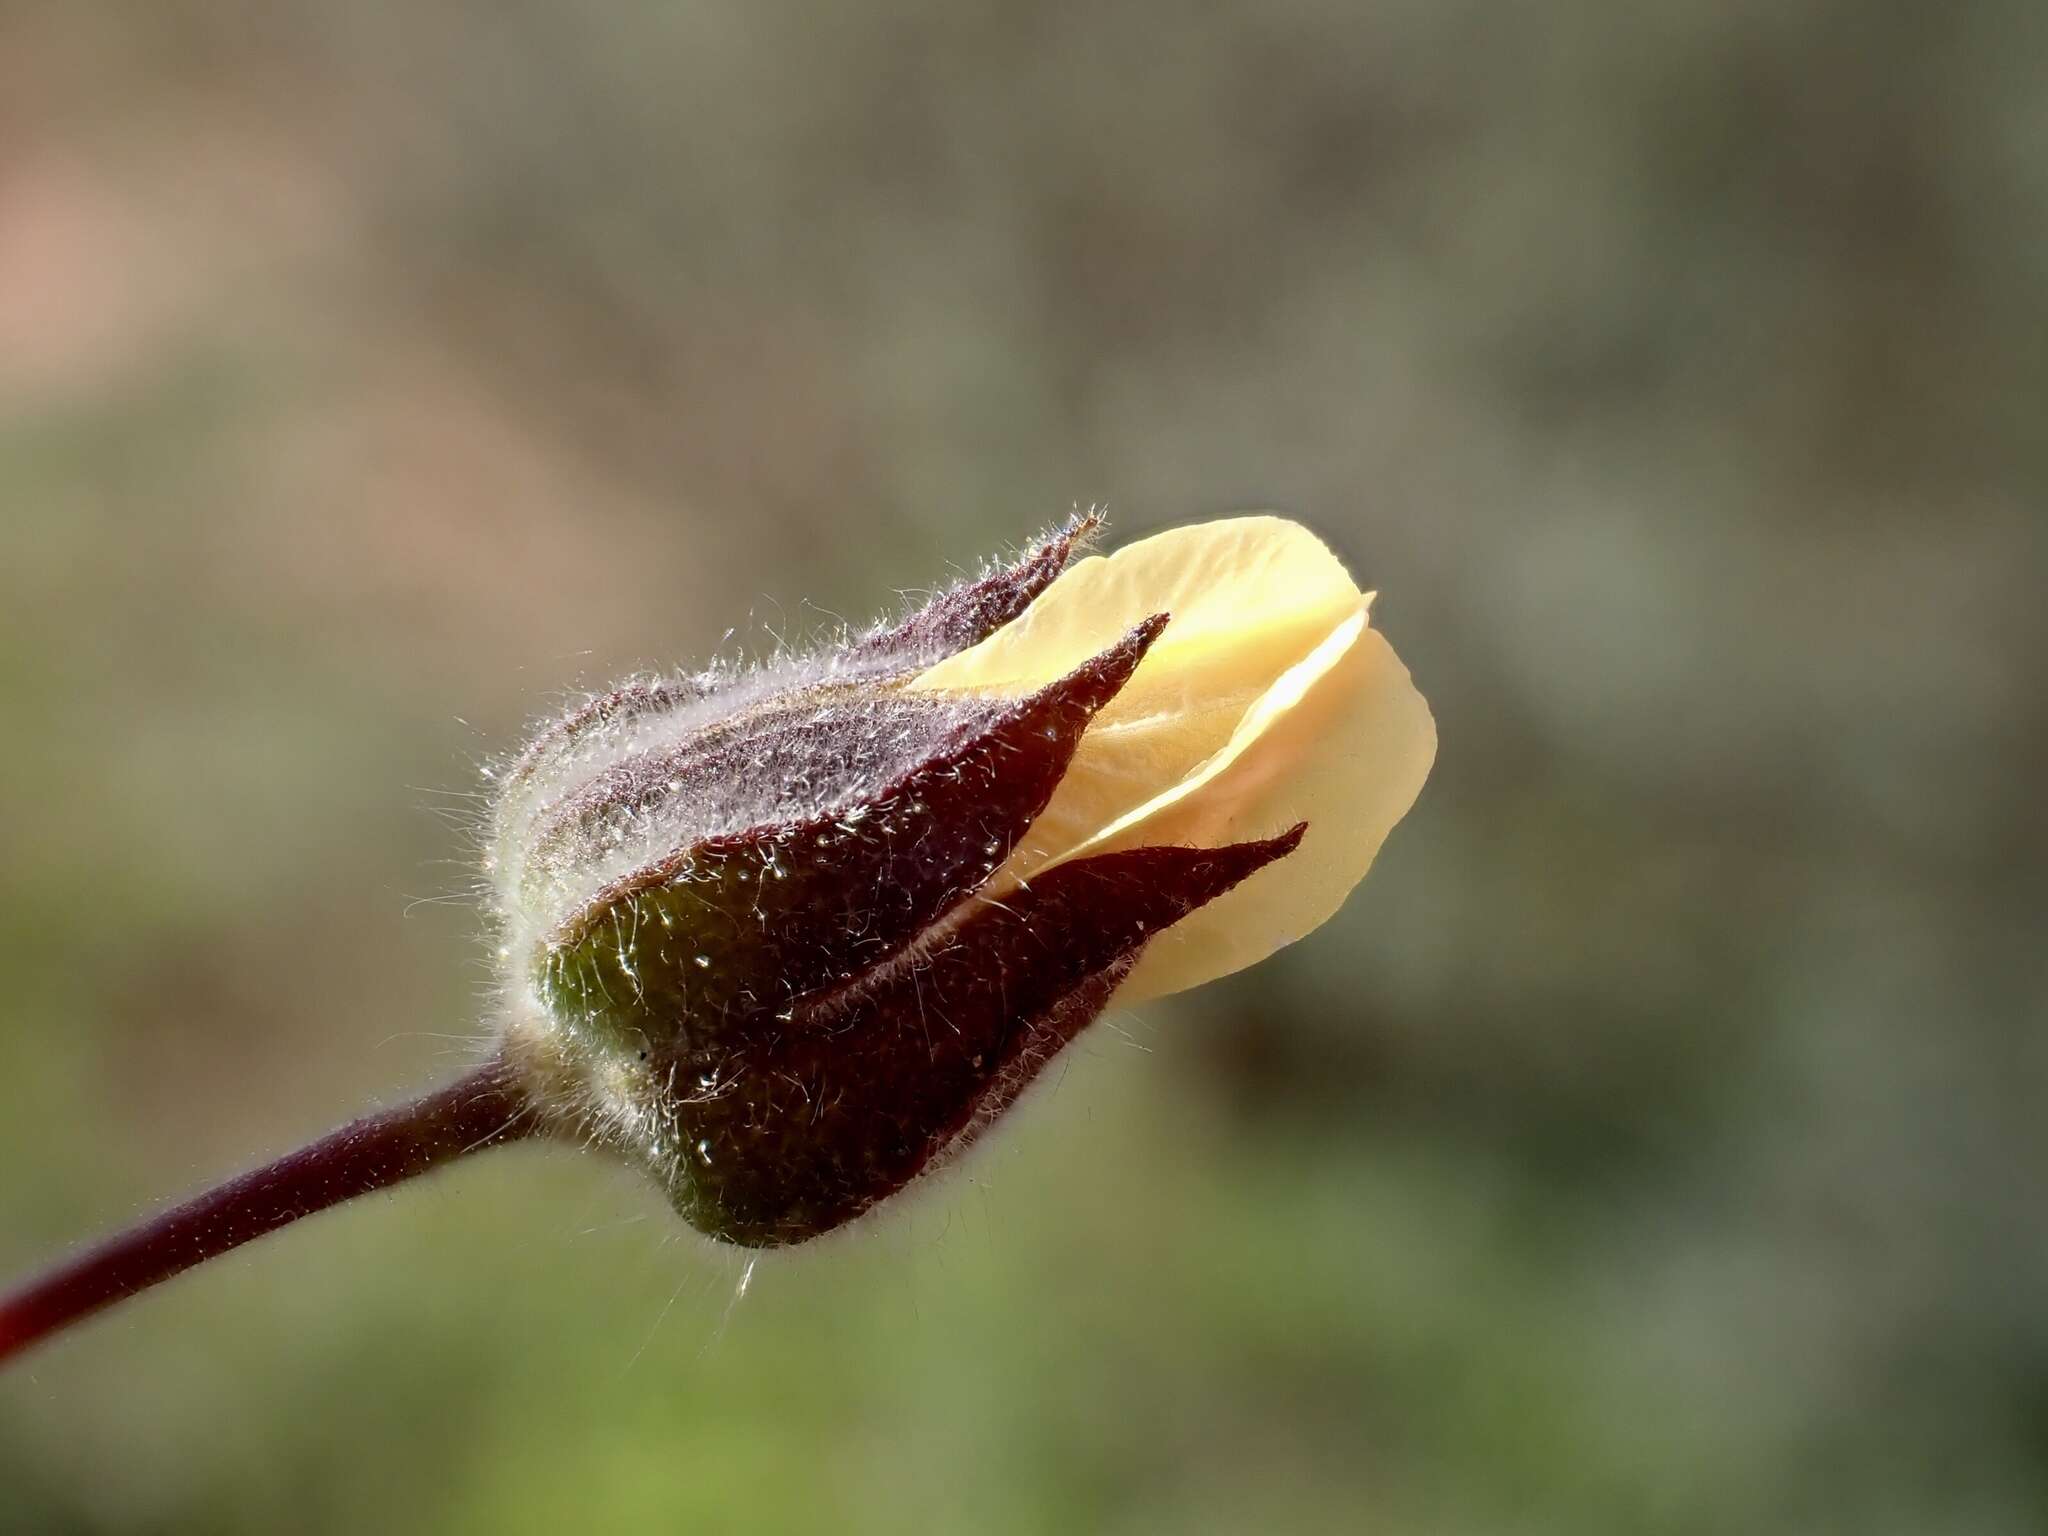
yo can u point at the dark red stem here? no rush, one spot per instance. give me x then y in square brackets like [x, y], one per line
[375, 1152]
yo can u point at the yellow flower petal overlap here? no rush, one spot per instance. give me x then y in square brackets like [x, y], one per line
[1269, 700]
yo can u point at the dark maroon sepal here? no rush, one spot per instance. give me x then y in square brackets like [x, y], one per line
[714, 944]
[867, 1086]
[615, 707]
[974, 610]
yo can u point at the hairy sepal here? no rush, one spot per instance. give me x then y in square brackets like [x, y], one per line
[969, 613]
[798, 1132]
[657, 764]
[715, 942]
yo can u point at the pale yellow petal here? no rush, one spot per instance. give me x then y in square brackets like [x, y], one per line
[1348, 757]
[1267, 701]
[1188, 809]
[1237, 588]
[1250, 599]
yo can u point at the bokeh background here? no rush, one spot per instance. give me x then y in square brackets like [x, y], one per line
[1655, 1144]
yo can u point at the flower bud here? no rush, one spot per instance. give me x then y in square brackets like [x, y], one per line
[787, 937]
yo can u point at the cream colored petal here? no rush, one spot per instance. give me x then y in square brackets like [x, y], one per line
[1251, 598]
[1190, 808]
[1348, 757]
[1238, 589]
[1267, 701]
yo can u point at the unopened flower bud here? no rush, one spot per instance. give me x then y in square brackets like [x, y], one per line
[787, 937]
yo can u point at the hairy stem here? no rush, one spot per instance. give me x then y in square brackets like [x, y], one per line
[478, 1111]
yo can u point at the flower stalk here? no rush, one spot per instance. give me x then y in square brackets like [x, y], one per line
[378, 1151]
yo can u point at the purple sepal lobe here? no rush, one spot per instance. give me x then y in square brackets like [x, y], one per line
[716, 942]
[974, 610]
[865, 1088]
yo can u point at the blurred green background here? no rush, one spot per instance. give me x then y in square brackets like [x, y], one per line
[1656, 1142]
